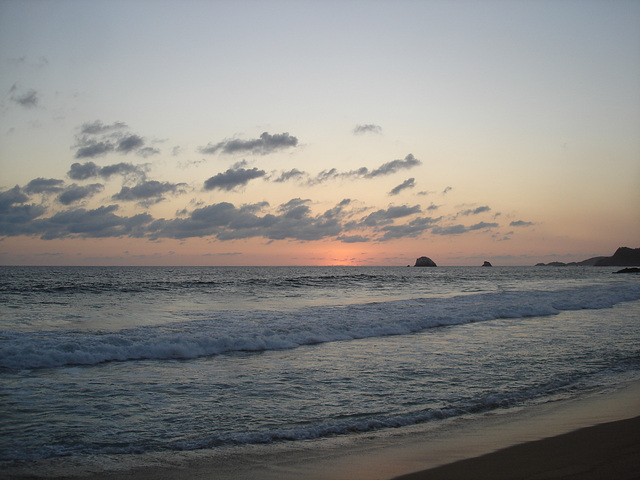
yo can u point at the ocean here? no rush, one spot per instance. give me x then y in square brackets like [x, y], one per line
[112, 361]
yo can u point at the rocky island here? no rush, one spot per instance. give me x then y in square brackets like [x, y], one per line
[425, 262]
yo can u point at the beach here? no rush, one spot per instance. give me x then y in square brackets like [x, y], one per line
[609, 450]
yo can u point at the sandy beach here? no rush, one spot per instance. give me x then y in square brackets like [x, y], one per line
[606, 451]
[594, 436]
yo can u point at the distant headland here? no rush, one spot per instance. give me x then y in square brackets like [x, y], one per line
[623, 257]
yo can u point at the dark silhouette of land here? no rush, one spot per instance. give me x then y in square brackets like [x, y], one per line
[623, 257]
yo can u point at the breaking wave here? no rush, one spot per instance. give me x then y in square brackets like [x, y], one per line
[209, 333]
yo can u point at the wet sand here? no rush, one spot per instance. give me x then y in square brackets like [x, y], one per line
[605, 451]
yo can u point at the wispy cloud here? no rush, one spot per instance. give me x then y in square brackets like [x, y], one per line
[482, 226]
[475, 211]
[289, 175]
[395, 165]
[460, 229]
[521, 223]
[367, 128]
[99, 128]
[40, 62]
[409, 183]
[264, 145]
[387, 168]
[26, 99]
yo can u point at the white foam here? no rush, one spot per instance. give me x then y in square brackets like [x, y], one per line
[213, 333]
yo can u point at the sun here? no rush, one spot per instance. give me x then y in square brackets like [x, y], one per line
[339, 254]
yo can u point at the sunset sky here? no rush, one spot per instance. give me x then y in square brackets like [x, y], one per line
[318, 132]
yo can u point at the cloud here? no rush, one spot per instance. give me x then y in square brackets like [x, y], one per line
[74, 193]
[11, 197]
[92, 149]
[293, 220]
[297, 223]
[475, 211]
[382, 217]
[15, 215]
[99, 128]
[368, 128]
[97, 223]
[363, 172]
[325, 175]
[446, 190]
[147, 190]
[409, 183]
[482, 226]
[84, 171]
[232, 178]
[96, 139]
[147, 151]
[28, 99]
[44, 185]
[204, 221]
[414, 228]
[130, 143]
[353, 239]
[122, 169]
[460, 229]
[392, 167]
[264, 145]
[450, 230]
[40, 62]
[295, 208]
[291, 174]
[521, 223]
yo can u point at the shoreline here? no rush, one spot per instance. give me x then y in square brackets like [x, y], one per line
[608, 450]
[420, 452]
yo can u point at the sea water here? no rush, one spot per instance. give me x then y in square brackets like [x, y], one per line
[118, 360]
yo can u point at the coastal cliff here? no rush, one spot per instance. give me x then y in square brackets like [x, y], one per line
[623, 257]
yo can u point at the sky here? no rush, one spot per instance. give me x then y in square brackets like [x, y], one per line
[283, 132]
